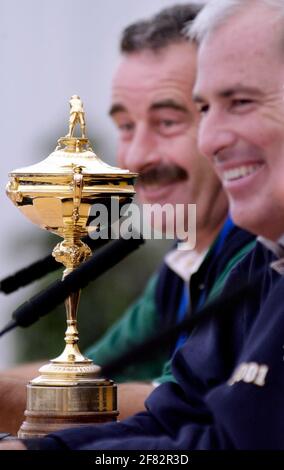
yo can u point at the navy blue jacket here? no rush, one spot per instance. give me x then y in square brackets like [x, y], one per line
[202, 410]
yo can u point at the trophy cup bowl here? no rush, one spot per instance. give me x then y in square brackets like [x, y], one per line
[58, 194]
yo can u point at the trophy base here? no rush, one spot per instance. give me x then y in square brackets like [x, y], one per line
[51, 408]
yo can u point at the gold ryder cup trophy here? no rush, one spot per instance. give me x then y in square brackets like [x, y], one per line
[58, 194]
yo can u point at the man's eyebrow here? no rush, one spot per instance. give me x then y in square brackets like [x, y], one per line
[168, 103]
[229, 93]
[117, 108]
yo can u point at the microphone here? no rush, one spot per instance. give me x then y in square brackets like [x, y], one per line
[219, 306]
[41, 304]
[40, 268]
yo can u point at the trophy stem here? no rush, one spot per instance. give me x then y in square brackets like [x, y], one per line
[71, 305]
[71, 353]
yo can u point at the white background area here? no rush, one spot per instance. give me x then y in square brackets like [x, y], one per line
[49, 50]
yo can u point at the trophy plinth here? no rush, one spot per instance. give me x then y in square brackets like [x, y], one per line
[58, 194]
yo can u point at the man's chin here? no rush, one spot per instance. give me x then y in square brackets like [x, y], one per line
[245, 218]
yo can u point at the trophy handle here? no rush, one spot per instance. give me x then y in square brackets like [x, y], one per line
[78, 189]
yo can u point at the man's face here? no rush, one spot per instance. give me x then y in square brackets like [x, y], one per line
[157, 122]
[240, 94]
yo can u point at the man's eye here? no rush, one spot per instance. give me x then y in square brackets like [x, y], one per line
[128, 126]
[241, 105]
[168, 122]
[126, 130]
[241, 102]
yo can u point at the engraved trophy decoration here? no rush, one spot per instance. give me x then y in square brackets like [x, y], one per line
[57, 194]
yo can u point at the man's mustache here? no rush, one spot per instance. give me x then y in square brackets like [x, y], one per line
[162, 174]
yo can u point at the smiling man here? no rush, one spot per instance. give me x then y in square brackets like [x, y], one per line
[242, 114]
[157, 124]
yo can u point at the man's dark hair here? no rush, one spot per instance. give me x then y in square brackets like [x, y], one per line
[161, 30]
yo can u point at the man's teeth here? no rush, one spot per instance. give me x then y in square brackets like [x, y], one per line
[241, 172]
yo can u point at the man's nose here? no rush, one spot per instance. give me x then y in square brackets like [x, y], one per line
[142, 149]
[215, 135]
